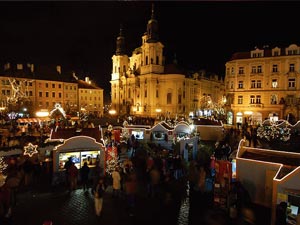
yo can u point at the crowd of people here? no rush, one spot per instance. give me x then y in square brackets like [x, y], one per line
[166, 178]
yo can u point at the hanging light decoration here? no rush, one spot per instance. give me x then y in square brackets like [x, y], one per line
[30, 149]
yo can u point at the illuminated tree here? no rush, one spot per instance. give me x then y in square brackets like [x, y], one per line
[271, 132]
[209, 107]
[112, 161]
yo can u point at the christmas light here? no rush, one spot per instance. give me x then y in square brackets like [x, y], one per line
[272, 132]
[30, 149]
[3, 165]
[112, 162]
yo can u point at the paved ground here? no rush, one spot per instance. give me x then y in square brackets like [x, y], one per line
[77, 208]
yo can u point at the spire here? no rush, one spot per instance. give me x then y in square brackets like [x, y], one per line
[120, 43]
[175, 59]
[152, 12]
[152, 28]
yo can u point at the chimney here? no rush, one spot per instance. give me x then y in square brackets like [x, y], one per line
[7, 66]
[58, 69]
[87, 79]
[19, 66]
[32, 68]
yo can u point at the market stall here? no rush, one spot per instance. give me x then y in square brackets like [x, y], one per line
[81, 149]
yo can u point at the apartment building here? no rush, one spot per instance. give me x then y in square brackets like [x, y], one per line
[142, 84]
[27, 89]
[263, 83]
[90, 98]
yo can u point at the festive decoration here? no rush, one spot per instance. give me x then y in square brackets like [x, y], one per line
[272, 132]
[19, 90]
[112, 160]
[57, 107]
[3, 165]
[30, 149]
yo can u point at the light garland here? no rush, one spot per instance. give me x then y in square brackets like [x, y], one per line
[112, 162]
[3, 165]
[273, 132]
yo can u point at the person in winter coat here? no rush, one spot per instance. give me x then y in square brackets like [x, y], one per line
[84, 175]
[98, 196]
[73, 176]
[116, 178]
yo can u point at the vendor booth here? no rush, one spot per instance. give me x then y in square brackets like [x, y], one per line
[81, 149]
[272, 179]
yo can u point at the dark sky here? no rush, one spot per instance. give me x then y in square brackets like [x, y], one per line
[81, 35]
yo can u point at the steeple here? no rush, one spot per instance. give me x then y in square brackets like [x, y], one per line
[120, 43]
[152, 28]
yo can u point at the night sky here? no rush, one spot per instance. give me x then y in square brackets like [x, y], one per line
[81, 35]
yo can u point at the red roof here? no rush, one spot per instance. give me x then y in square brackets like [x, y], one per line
[67, 133]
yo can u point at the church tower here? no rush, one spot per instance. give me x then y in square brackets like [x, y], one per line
[120, 65]
[152, 49]
[120, 60]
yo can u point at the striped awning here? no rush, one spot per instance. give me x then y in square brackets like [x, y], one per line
[32, 120]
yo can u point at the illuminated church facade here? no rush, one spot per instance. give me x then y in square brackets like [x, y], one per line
[142, 85]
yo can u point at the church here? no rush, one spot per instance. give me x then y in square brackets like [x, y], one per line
[142, 85]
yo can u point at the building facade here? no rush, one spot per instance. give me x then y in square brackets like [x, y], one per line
[90, 98]
[23, 92]
[263, 84]
[141, 84]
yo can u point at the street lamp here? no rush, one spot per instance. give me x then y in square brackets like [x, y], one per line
[112, 112]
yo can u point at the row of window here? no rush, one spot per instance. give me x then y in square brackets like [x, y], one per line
[6, 82]
[256, 99]
[258, 83]
[134, 67]
[90, 98]
[292, 50]
[258, 69]
[52, 104]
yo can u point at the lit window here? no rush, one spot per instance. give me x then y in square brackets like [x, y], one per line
[274, 83]
[292, 83]
[258, 99]
[274, 99]
[240, 100]
[241, 70]
[252, 99]
[292, 67]
[258, 84]
[241, 84]
[259, 69]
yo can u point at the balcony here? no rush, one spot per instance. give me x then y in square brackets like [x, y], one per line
[256, 105]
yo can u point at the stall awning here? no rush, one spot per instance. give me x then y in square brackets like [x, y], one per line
[33, 120]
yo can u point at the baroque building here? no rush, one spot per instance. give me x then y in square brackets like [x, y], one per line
[142, 84]
[263, 83]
